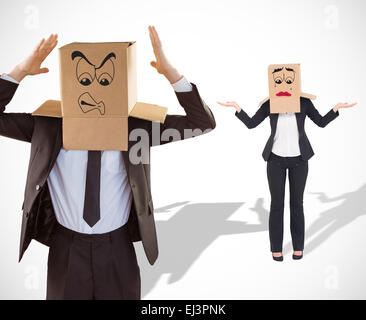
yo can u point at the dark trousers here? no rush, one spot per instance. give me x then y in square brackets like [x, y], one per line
[98, 266]
[277, 168]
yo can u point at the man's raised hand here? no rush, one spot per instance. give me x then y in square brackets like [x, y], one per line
[32, 64]
[162, 64]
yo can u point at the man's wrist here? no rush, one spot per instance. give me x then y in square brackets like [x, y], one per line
[172, 75]
[17, 74]
[182, 85]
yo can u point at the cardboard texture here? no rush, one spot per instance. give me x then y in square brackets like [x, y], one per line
[50, 108]
[98, 94]
[284, 88]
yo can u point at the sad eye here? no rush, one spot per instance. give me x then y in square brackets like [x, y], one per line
[85, 79]
[289, 80]
[105, 79]
[278, 80]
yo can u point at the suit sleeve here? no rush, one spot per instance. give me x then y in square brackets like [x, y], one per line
[198, 120]
[260, 115]
[13, 125]
[317, 118]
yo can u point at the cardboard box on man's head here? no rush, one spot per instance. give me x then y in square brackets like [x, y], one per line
[98, 94]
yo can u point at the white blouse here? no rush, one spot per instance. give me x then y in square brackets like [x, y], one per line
[286, 139]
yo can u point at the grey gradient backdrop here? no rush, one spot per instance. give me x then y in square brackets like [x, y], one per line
[212, 224]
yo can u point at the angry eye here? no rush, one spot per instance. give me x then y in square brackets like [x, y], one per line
[85, 79]
[105, 79]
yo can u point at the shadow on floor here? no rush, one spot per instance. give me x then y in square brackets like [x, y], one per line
[189, 232]
[332, 220]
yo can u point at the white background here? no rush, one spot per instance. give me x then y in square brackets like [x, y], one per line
[213, 244]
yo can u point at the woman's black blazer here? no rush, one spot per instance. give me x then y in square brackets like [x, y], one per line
[306, 109]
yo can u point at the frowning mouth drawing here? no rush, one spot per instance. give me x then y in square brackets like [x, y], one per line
[284, 78]
[88, 104]
[283, 94]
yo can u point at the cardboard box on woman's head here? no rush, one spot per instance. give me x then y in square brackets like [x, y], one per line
[284, 87]
[284, 83]
[98, 94]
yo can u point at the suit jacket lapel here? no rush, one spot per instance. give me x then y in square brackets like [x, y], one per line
[57, 147]
[126, 162]
[275, 120]
[299, 115]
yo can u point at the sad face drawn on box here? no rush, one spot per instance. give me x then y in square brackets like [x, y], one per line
[87, 74]
[284, 88]
[283, 81]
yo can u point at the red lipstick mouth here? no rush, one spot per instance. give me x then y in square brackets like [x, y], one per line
[283, 94]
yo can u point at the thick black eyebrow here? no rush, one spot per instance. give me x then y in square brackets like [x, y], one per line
[76, 54]
[277, 70]
[290, 69]
[110, 55]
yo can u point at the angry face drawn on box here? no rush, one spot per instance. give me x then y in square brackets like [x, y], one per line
[98, 94]
[88, 75]
[98, 91]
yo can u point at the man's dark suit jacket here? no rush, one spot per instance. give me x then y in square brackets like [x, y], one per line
[45, 135]
[306, 109]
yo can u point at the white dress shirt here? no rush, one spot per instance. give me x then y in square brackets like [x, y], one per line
[67, 180]
[66, 183]
[286, 139]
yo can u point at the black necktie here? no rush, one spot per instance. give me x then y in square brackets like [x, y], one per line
[92, 189]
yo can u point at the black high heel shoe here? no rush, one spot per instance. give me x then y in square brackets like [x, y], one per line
[277, 258]
[297, 257]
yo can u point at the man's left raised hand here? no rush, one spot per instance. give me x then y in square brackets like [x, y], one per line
[162, 64]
